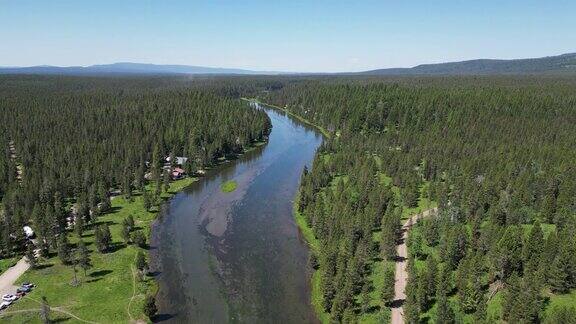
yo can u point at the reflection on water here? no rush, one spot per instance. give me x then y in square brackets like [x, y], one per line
[238, 257]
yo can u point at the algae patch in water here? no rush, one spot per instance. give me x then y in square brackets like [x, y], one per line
[229, 186]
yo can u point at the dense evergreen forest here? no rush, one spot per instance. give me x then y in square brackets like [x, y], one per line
[69, 142]
[498, 157]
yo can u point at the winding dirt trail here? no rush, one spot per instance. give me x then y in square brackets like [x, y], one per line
[400, 273]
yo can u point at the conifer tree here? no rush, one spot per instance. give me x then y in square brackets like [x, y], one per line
[64, 250]
[31, 256]
[83, 257]
[387, 292]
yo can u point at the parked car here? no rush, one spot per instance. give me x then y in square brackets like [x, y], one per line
[9, 297]
[24, 289]
[28, 285]
[5, 304]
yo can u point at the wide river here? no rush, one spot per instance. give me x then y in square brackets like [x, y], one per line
[238, 257]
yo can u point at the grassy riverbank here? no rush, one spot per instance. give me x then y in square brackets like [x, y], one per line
[109, 292]
[314, 244]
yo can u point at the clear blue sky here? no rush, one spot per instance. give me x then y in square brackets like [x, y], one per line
[291, 35]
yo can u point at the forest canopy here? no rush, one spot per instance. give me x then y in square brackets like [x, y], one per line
[498, 157]
[74, 139]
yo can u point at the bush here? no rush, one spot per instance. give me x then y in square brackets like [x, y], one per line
[150, 308]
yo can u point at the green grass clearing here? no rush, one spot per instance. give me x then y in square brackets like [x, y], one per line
[106, 290]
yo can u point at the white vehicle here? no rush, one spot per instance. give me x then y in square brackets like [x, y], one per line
[9, 297]
[5, 304]
[28, 232]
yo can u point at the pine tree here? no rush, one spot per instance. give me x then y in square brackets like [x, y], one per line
[430, 276]
[444, 312]
[64, 250]
[557, 276]
[31, 256]
[534, 244]
[104, 199]
[79, 225]
[166, 180]
[126, 234]
[147, 200]
[423, 294]
[139, 239]
[103, 238]
[387, 292]
[509, 252]
[140, 262]
[365, 298]
[83, 257]
[411, 307]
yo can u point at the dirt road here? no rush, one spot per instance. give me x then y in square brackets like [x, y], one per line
[400, 274]
[10, 276]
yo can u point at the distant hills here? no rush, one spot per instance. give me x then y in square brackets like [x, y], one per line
[559, 64]
[126, 68]
[565, 63]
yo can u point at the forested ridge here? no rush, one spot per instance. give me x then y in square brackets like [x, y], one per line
[77, 139]
[498, 156]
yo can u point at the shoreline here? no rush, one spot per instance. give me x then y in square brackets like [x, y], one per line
[114, 266]
[322, 130]
[312, 242]
[305, 230]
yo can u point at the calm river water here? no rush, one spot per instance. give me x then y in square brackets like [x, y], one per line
[238, 257]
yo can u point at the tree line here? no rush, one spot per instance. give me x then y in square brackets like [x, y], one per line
[496, 153]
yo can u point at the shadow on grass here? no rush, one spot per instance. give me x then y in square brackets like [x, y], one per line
[373, 309]
[100, 273]
[115, 247]
[113, 210]
[94, 280]
[44, 266]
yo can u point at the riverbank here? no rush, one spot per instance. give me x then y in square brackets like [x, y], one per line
[236, 256]
[324, 131]
[109, 279]
[314, 244]
[110, 291]
[305, 230]
[307, 233]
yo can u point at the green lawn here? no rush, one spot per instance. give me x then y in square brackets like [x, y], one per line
[7, 263]
[105, 292]
[229, 186]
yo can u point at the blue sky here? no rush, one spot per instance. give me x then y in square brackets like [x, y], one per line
[292, 35]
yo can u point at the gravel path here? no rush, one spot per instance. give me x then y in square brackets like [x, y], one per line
[400, 274]
[9, 277]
